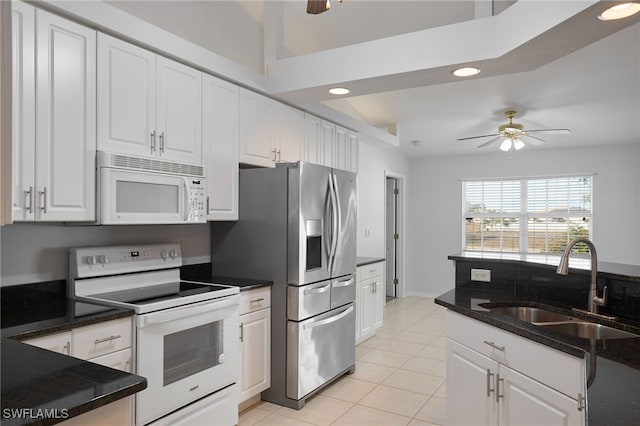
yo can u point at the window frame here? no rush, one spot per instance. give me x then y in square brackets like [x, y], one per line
[524, 216]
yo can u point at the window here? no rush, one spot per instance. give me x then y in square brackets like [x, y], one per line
[529, 215]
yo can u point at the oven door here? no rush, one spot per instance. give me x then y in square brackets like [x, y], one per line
[186, 353]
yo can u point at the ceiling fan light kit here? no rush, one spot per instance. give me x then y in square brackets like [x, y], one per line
[512, 132]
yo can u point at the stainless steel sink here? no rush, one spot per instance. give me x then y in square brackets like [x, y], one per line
[530, 314]
[588, 330]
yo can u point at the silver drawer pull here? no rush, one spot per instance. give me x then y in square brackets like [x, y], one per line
[257, 300]
[498, 396]
[344, 283]
[494, 346]
[317, 290]
[107, 339]
[489, 376]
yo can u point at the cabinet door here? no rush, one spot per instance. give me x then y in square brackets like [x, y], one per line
[471, 379]
[340, 148]
[23, 110]
[256, 129]
[327, 138]
[352, 152]
[255, 351]
[126, 97]
[290, 134]
[377, 302]
[524, 401]
[220, 147]
[66, 114]
[364, 308]
[179, 111]
[59, 342]
[312, 151]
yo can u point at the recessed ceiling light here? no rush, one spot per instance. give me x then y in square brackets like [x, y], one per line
[466, 71]
[620, 11]
[339, 91]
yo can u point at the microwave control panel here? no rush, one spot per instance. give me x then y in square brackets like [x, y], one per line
[197, 208]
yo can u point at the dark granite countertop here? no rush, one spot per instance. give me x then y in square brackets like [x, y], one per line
[202, 272]
[37, 379]
[361, 261]
[614, 396]
[577, 262]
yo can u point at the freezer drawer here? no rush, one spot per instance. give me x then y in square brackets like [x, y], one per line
[343, 291]
[319, 349]
[306, 301]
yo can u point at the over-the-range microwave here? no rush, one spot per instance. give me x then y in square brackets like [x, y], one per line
[137, 190]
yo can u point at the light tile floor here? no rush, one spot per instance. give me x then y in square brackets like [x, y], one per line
[399, 378]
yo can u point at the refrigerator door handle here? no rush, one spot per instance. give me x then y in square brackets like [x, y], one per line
[335, 218]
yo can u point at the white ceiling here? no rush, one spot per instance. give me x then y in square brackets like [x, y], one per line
[580, 73]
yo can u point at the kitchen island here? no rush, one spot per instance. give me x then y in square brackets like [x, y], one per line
[614, 396]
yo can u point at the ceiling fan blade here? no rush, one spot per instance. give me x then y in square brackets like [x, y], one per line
[489, 142]
[535, 140]
[551, 131]
[478, 137]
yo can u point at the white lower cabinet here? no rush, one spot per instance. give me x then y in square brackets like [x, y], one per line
[108, 343]
[255, 342]
[498, 385]
[369, 300]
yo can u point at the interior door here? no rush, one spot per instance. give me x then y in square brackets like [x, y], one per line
[391, 244]
[344, 261]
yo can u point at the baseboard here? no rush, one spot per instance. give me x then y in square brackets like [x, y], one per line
[421, 294]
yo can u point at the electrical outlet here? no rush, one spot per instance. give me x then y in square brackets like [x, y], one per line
[483, 275]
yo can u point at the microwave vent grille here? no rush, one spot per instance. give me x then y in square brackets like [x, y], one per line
[138, 163]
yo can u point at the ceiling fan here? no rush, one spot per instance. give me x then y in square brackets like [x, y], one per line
[511, 132]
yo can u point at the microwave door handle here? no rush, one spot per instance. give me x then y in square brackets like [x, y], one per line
[185, 199]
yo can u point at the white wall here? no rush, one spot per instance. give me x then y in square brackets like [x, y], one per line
[435, 204]
[39, 252]
[373, 160]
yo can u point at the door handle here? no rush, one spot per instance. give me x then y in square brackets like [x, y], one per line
[489, 376]
[494, 346]
[161, 142]
[153, 141]
[329, 320]
[43, 206]
[317, 290]
[498, 380]
[107, 339]
[344, 283]
[28, 196]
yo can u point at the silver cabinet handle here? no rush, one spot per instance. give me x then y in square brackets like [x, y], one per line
[494, 346]
[153, 141]
[257, 300]
[241, 332]
[279, 157]
[207, 211]
[107, 339]
[274, 154]
[67, 348]
[581, 402]
[43, 206]
[28, 196]
[161, 142]
[498, 396]
[489, 376]
[127, 365]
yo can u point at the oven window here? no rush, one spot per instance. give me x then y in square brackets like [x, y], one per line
[140, 197]
[190, 351]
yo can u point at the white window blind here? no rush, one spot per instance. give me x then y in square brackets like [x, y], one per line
[529, 215]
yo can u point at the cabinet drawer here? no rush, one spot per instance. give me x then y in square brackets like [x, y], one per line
[99, 339]
[369, 271]
[254, 300]
[120, 360]
[556, 369]
[59, 342]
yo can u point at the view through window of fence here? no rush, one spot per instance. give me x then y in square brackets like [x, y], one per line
[528, 215]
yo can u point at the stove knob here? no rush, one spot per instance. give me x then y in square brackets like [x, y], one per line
[173, 254]
[91, 260]
[221, 358]
[164, 254]
[103, 259]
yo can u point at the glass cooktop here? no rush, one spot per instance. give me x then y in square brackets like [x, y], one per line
[158, 293]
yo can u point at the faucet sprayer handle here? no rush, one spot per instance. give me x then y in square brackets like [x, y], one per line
[602, 301]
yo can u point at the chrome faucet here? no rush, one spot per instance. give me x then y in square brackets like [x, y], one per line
[594, 302]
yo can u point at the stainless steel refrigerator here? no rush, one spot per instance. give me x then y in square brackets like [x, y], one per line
[297, 227]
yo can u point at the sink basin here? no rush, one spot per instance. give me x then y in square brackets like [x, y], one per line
[530, 314]
[588, 330]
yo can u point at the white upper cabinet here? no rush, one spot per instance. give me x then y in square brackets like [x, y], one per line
[54, 116]
[220, 147]
[148, 105]
[329, 145]
[270, 132]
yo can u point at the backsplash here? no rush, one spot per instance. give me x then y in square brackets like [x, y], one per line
[540, 282]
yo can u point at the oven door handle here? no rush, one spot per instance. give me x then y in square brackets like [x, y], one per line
[183, 312]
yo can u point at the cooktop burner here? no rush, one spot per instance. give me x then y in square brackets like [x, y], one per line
[158, 293]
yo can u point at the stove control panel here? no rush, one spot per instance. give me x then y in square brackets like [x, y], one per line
[88, 262]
